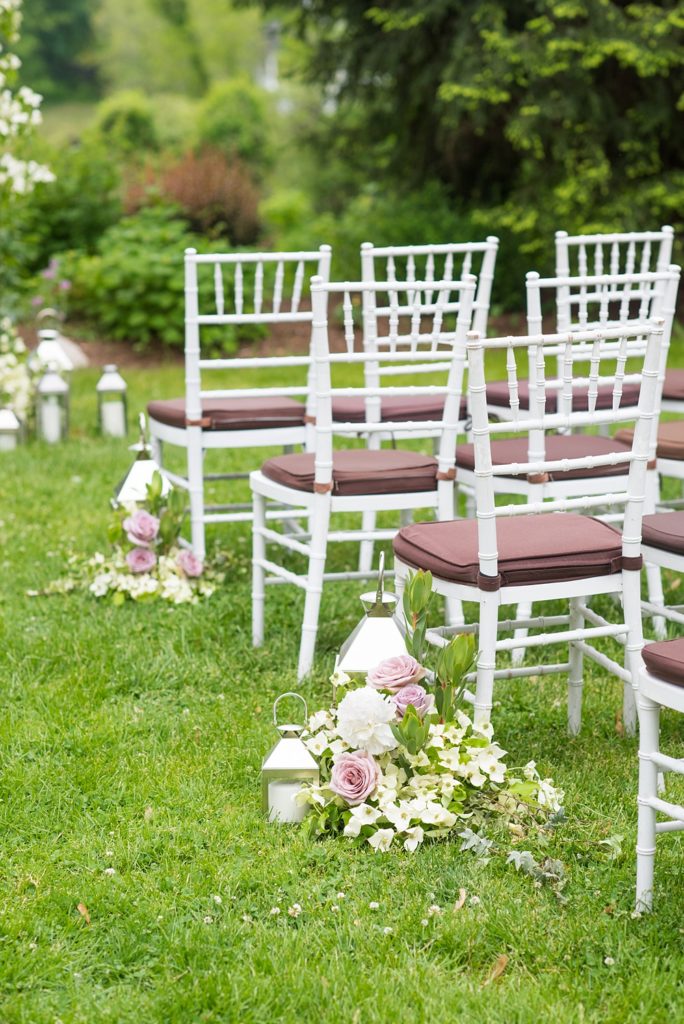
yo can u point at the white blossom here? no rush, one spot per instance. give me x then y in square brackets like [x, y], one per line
[363, 721]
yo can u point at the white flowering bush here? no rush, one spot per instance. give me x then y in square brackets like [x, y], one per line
[17, 374]
[19, 113]
[379, 787]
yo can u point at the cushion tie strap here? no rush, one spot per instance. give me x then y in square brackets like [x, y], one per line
[449, 474]
[203, 422]
[323, 488]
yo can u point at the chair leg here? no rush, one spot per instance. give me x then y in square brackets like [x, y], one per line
[631, 601]
[196, 490]
[523, 611]
[314, 582]
[157, 450]
[486, 662]
[576, 672]
[649, 721]
[655, 596]
[258, 574]
[367, 547]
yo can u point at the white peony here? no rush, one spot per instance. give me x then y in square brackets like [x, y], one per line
[363, 721]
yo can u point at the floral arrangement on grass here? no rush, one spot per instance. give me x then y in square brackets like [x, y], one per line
[400, 762]
[17, 374]
[147, 561]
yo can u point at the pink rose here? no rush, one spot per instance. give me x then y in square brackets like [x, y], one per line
[354, 776]
[394, 673]
[141, 560]
[141, 528]
[189, 563]
[416, 695]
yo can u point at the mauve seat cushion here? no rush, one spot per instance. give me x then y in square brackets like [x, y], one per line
[664, 530]
[670, 439]
[497, 394]
[359, 472]
[532, 549]
[572, 446]
[233, 413]
[665, 660]
[673, 388]
[394, 407]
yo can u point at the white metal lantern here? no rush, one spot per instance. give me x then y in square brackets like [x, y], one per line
[285, 768]
[111, 403]
[10, 428]
[378, 636]
[133, 487]
[51, 351]
[53, 407]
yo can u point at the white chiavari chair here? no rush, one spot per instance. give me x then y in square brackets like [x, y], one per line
[535, 550]
[222, 291]
[583, 303]
[661, 685]
[662, 545]
[329, 480]
[451, 261]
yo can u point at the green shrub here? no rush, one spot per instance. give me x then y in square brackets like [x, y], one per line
[75, 209]
[126, 121]
[132, 288]
[233, 117]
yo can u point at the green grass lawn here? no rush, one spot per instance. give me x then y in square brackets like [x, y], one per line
[130, 748]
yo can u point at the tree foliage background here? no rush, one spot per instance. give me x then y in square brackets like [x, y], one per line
[532, 114]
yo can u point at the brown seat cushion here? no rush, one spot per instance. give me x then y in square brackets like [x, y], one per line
[664, 530]
[673, 388]
[532, 549]
[497, 394]
[359, 472]
[233, 413]
[670, 439]
[394, 407]
[572, 446]
[665, 660]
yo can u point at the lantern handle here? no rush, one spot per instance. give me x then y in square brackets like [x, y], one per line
[381, 578]
[289, 693]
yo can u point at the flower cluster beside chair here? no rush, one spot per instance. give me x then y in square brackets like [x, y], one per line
[602, 364]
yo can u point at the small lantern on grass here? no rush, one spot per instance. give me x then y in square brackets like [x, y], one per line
[378, 636]
[111, 402]
[53, 407]
[288, 765]
[10, 428]
[51, 351]
[133, 487]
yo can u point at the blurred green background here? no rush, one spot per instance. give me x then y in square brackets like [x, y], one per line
[285, 125]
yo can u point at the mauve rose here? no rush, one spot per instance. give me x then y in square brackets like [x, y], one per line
[141, 528]
[416, 695]
[141, 560]
[354, 776]
[189, 563]
[394, 673]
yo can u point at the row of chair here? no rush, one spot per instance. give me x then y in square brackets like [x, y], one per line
[423, 320]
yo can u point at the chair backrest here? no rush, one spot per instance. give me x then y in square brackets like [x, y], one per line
[619, 253]
[246, 288]
[435, 332]
[608, 300]
[614, 357]
[588, 301]
[451, 261]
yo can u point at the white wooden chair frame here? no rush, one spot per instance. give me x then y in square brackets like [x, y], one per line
[585, 303]
[654, 693]
[193, 437]
[437, 262]
[320, 505]
[625, 584]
